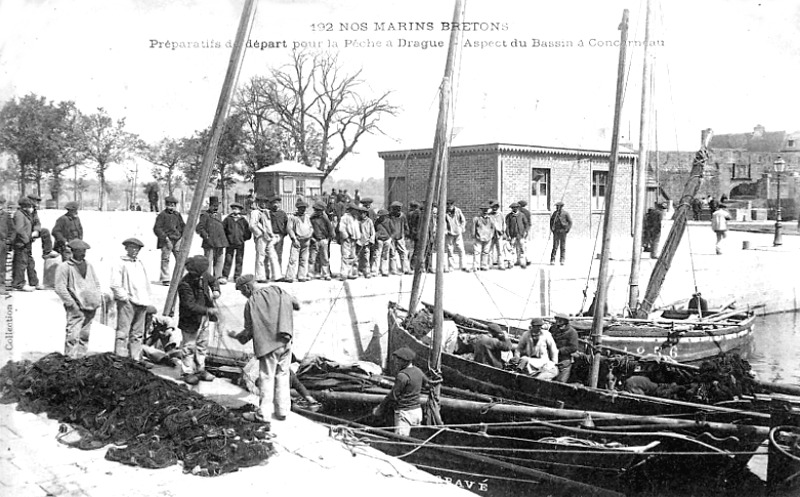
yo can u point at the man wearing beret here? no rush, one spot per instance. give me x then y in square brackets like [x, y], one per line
[560, 224]
[131, 289]
[22, 240]
[68, 227]
[211, 230]
[403, 399]
[349, 234]
[566, 339]
[517, 231]
[300, 230]
[268, 322]
[196, 292]
[237, 231]
[79, 289]
[490, 347]
[168, 230]
[400, 231]
[536, 353]
[320, 242]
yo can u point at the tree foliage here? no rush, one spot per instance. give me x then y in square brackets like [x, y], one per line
[106, 143]
[317, 110]
[167, 155]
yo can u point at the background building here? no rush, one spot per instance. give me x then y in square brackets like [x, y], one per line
[508, 173]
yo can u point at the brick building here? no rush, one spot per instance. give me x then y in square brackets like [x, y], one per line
[540, 175]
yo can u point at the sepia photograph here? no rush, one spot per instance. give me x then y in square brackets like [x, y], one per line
[351, 247]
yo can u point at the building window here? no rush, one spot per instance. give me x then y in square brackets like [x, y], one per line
[740, 171]
[300, 186]
[540, 190]
[599, 184]
[791, 143]
[288, 184]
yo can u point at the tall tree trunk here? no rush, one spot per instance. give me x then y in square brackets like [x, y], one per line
[101, 175]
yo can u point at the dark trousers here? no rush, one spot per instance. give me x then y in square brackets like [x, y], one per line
[559, 241]
[154, 206]
[23, 263]
[318, 256]
[230, 252]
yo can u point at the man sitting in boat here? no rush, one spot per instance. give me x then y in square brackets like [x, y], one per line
[489, 348]
[698, 302]
[566, 339]
[404, 397]
[536, 353]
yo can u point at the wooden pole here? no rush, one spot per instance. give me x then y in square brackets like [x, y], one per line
[602, 277]
[228, 87]
[641, 175]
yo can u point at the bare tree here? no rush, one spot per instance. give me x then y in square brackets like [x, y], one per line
[319, 108]
[106, 143]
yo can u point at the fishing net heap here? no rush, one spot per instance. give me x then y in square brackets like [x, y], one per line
[419, 324]
[151, 421]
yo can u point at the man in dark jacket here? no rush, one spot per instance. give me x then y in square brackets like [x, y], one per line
[652, 229]
[196, 292]
[169, 230]
[403, 400]
[211, 230]
[517, 226]
[320, 242]
[414, 222]
[68, 227]
[280, 226]
[42, 233]
[489, 348]
[400, 232]
[22, 241]
[237, 230]
[566, 339]
[560, 224]
[384, 245]
[152, 197]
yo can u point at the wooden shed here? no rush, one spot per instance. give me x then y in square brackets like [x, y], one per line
[289, 179]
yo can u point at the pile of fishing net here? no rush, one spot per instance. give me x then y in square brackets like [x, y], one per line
[151, 421]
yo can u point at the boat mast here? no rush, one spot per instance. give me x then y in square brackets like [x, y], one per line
[641, 174]
[602, 278]
[678, 226]
[228, 86]
[437, 178]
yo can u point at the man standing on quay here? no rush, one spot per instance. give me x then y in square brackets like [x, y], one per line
[212, 231]
[68, 227]
[168, 230]
[268, 321]
[131, 289]
[560, 224]
[79, 289]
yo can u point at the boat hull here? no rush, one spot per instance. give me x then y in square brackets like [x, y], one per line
[783, 468]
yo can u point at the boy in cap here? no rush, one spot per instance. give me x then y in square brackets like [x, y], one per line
[196, 292]
[483, 233]
[384, 251]
[560, 224]
[79, 289]
[400, 231]
[22, 240]
[349, 233]
[365, 242]
[268, 322]
[536, 353]
[211, 230]
[517, 231]
[68, 227]
[403, 400]
[300, 232]
[320, 241]
[168, 230]
[454, 235]
[131, 289]
[237, 231]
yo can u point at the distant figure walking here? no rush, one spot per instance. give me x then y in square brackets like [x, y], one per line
[560, 224]
[719, 223]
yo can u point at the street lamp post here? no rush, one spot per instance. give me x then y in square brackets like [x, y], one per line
[780, 166]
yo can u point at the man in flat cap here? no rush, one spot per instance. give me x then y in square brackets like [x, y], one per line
[499, 223]
[365, 242]
[482, 233]
[269, 323]
[490, 347]
[372, 214]
[22, 240]
[42, 233]
[560, 224]
[237, 231]
[384, 245]
[168, 230]
[280, 223]
[79, 289]
[211, 230]
[68, 227]
[456, 224]
[403, 399]
[517, 227]
[300, 231]
[400, 231]
[261, 227]
[196, 294]
[318, 254]
[131, 289]
[566, 339]
[536, 353]
[349, 233]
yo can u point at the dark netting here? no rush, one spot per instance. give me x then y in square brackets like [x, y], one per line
[151, 421]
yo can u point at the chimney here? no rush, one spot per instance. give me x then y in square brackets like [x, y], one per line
[705, 137]
[758, 131]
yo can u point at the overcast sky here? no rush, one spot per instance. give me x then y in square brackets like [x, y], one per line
[727, 65]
